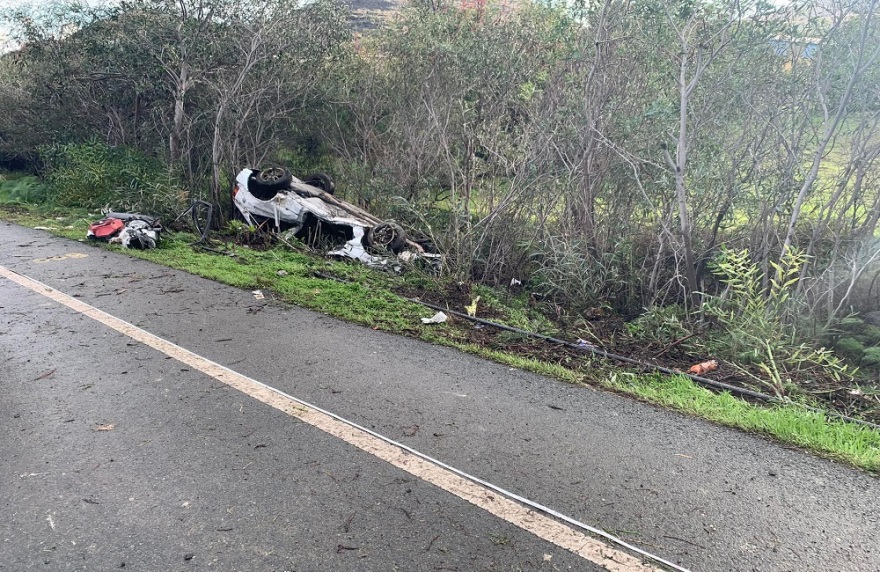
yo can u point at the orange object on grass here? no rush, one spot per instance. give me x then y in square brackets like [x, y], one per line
[704, 367]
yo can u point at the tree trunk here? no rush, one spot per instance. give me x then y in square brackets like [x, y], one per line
[678, 165]
[181, 87]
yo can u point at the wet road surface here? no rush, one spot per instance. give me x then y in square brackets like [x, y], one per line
[117, 456]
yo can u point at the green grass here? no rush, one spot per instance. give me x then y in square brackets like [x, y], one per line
[291, 277]
[519, 362]
[837, 439]
[367, 298]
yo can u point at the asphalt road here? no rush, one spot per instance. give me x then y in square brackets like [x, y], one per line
[114, 455]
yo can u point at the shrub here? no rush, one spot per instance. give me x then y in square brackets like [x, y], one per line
[870, 335]
[94, 175]
[756, 323]
[568, 273]
[661, 324]
[851, 348]
[27, 189]
[871, 357]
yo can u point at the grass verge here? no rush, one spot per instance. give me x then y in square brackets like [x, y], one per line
[366, 297]
[837, 439]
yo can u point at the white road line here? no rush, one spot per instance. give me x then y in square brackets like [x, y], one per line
[506, 509]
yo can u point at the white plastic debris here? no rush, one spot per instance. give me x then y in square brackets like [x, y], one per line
[138, 234]
[437, 318]
[258, 294]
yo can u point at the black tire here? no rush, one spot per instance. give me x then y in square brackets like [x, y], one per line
[386, 236]
[322, 181]
[267, 182]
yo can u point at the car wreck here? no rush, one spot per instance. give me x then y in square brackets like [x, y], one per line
[273, 199]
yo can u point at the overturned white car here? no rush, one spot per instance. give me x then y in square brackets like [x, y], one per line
[273, 199]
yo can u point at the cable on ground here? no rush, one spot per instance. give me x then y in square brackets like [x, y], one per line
[705, 381]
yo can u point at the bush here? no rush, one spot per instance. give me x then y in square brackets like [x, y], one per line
[94, 175]
[660, 324]
[756, 324]
[851, 348]
[17, 189]
[870, 335]
[568, 273]
[871, 357]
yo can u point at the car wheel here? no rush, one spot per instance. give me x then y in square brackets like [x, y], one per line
[386, 236]
[270, 180]
[322, 181]
[202, 213]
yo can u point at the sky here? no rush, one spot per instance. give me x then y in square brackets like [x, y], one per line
[5, 43]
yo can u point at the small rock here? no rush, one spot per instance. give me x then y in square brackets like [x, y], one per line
[188, 556]
[771, 473]
[281, 273]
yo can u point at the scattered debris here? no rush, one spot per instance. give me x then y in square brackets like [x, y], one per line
[346, 527]
[430, 544]
[131, 230]
[437, 318]
[106, 427]
[258, 294]
[471, 308]
[45, 375]
[282, 273]
[137, 234]
[704, 367]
